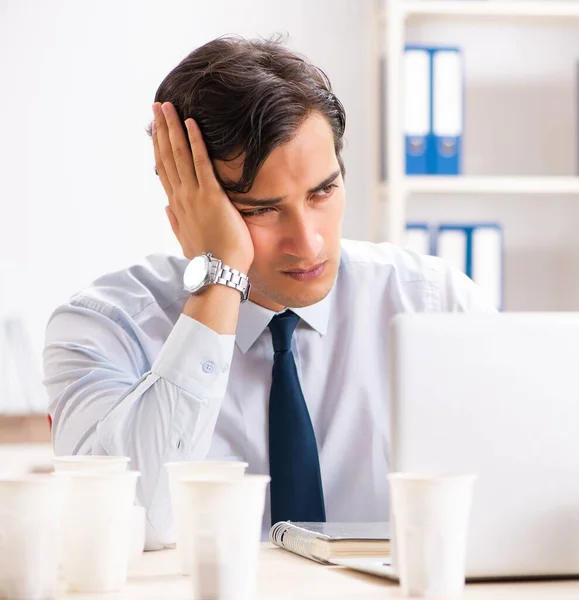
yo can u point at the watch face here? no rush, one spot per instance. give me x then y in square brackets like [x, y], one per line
[196, 273]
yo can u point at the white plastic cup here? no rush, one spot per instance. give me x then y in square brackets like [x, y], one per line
[107, 464]
[98, 530]
[139, 531]
[31, 509]
[177, 471]
[431, 516]
[225, 530]
[90, 463]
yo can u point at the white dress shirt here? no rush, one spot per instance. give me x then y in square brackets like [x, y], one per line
[128, 374]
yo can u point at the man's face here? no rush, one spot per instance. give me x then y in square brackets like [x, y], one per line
[294, 215]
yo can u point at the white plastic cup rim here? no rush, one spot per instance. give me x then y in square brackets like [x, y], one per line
[91, 458]
[32, 478]
[210, 480]
[213, 463]
[90, 474]
[433, 478]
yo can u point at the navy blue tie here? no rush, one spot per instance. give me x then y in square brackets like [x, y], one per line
[294, 465]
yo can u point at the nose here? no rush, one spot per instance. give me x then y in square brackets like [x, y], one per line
[302, 238]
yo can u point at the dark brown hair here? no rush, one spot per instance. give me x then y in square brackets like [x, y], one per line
[248, 97]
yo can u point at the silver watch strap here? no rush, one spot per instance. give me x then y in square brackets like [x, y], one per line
[225, 275]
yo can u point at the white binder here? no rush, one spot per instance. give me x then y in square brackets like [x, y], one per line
[447, 110]
[417, 113]
[477, 250]
[418, 238]
[487, 262]
[451, 246]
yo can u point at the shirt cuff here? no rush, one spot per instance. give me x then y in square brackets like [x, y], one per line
[196, 359]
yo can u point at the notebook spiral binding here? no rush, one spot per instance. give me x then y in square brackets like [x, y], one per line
[294, 538]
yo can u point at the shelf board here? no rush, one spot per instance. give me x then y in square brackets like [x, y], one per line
[464, 184]
[516, 9]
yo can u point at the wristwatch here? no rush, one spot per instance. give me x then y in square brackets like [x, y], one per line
[205, 270]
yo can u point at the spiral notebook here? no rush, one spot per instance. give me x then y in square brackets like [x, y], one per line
[323, 542]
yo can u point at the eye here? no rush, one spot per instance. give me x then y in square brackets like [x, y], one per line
[256, 213]
[325, 191]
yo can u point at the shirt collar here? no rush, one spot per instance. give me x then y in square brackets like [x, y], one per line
[253, 319]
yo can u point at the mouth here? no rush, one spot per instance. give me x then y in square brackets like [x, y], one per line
[307, 274]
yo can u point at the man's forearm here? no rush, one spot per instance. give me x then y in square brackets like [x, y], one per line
[101, 403]
[217, 308]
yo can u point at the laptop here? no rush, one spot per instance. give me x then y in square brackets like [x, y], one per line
[497, 395]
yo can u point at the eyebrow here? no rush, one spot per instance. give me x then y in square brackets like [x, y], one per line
[264, 202]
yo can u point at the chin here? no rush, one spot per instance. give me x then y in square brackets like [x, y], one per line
[305, 294]
[303, 301]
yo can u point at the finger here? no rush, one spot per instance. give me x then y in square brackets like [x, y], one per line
[172, 221]
[159, 168]
[179, 145]
[165, 150]
[201, 160]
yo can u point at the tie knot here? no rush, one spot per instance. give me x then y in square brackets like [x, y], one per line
[282, 328]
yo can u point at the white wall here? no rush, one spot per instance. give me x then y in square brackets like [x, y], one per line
[521, 119]
[78, 196]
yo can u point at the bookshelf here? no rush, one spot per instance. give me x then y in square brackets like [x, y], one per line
[515, 9]
[390, 197]
[465, 184]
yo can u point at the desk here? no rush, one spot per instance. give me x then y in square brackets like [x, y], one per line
[283, 575]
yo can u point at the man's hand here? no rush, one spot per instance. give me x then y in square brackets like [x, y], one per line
[201, 215]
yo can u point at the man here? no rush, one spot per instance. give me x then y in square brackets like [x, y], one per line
[156, 363]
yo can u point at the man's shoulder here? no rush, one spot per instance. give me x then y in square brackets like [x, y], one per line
[417, 281]
[154, 280]
[389, 259]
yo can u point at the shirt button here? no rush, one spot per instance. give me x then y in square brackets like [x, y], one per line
[208, 367]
